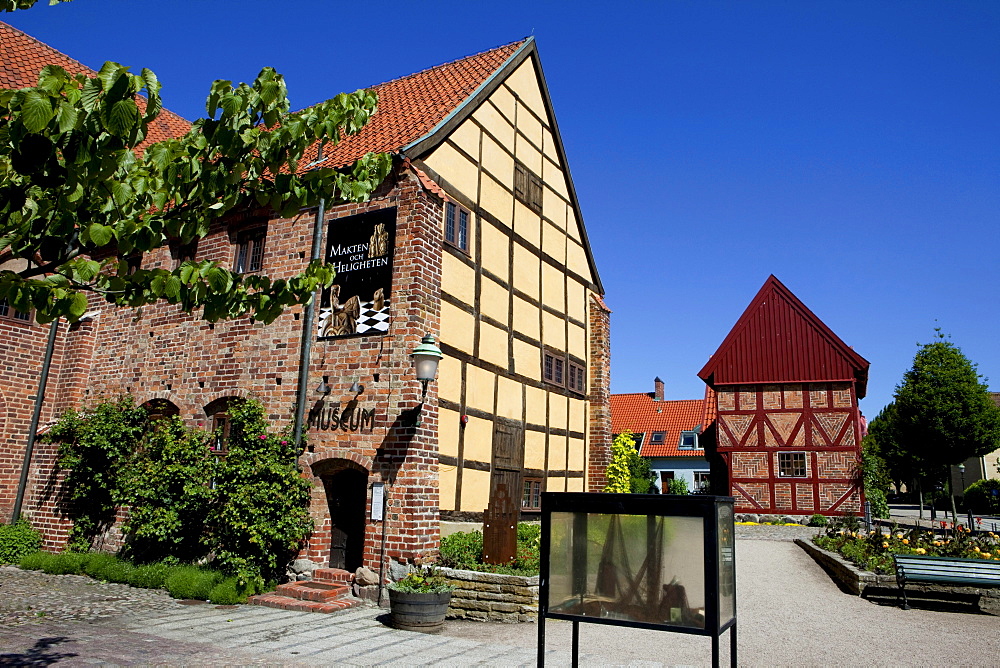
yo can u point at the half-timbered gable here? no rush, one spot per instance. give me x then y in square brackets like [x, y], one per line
[788, 424]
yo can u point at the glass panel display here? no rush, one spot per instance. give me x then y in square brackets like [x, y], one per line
[641, 568]
[727, 565]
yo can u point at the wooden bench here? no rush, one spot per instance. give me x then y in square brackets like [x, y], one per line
[945, 570]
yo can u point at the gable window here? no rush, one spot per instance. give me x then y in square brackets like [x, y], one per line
[531, 499]
[689, 440]
[6, 311]
[554, 370]
[250, 251]
[792, 464]
[527, 187]
[576, 380]
[456, 225]
[658, 437]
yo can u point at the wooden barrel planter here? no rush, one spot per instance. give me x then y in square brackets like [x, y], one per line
[422, 612]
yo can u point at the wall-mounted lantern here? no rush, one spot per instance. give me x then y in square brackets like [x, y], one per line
[425, 361]
[324, 386]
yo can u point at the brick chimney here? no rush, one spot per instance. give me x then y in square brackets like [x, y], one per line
[658, 393]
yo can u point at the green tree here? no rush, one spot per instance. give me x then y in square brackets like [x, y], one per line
[944, 411]
[875, 477]
[12, 5]
[642, 480]
[900, 466]
[78, 199]
[619, 472]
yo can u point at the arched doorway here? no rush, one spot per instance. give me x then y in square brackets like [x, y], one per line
[346, 496]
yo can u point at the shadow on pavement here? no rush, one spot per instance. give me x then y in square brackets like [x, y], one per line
[39, 654]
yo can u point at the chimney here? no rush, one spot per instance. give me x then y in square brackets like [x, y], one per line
[658, 393]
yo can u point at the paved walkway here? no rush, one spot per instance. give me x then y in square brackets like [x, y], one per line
[790, 614]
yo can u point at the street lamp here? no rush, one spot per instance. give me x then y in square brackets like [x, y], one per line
[425, 362]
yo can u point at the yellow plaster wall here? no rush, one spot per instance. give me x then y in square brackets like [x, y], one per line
[534, 450]
[457, 327]
[528, 224]
[495, 199]
[578, 415]
[509, 398]
[448, 425]
[526, 272]
[527, 358]
[574, 485]
[553, 287]
[479, 388]
[455, 169]
[493, 345]
[505, 102]
[496, 251]
[527, 146]
[458, 279]
[475, 490]
[576, 454]
[577, 341]
[447, 480]
[494, 123]
[524, 82]
[494, 300]
[535, 399]
[554, 242]
[479, 440]
[558, 411]
[466, 137]
[526, 318]
[449, 382]
[553, 332]
[557, 453]
[576, 306]
[549, 146]
[576, 260]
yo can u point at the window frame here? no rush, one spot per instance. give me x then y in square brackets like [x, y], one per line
[694, 436]
[457, 237]
[785, 460]
[531, 491]
[657, 437]
[11, 314]
[250, 245]
[560, 370]
[527, 187]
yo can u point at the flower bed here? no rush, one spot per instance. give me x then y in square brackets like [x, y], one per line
[873, 551]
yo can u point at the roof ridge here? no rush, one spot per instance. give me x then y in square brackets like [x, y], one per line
[450, 62]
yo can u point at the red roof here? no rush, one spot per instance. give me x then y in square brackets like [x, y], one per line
[640, 413]
[23, 57]
[779, 340]
[410, 107]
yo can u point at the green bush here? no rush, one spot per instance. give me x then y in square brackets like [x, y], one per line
[464, 550]
[818, 520]
[94, 564]
[983, 496]
[17, 540]
[66, 563]
[192, 582]
[677, 486]
[35, 561]
[117, 571]
[228, 592]
[149, 576]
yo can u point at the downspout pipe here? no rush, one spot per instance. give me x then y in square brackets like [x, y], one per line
[305, 350]
[33, 429]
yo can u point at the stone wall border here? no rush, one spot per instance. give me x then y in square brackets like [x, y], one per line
[492, 597]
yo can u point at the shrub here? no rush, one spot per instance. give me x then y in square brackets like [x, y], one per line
[95, 564]
[677, 486]
[35, 561]
[192, 582]
[465, 550]
[117, 571]
[462, 549]
[149, 576]
[818, 520]
[427, 581]
[17, 540]
[983, 496]
[228, 592]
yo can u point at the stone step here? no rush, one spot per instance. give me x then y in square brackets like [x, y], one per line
[335, 575]
[273, 600]
[308, 590]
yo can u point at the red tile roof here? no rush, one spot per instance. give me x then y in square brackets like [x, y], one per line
[410, 107]
[23, 56]
[641, 413]
[779, 340]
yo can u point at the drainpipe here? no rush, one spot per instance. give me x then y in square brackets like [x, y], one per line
[39, 400]
[305, 350]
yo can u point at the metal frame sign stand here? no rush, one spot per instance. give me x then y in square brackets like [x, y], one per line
[647, 561]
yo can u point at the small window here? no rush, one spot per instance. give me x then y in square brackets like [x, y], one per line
[456, 225]
[250, 251]
[7, 312]
[689, 440]
[702, 482]
[218, 413]
[554, 369]
[792, 464]
[183, 252]
[527, 187]
[658, 437]
[576, 378]
[531, 499]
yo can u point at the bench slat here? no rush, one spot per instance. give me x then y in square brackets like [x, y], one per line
[957, 570]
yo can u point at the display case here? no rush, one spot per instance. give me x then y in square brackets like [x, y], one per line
[649, 561]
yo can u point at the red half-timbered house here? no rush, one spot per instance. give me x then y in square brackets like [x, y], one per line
[788, 428]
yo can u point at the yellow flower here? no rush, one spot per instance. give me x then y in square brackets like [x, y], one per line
[885, 544]
[985, 554]
[921, 550]
[975, 549]
[906, 541]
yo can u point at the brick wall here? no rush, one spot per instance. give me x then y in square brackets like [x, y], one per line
[599, 445]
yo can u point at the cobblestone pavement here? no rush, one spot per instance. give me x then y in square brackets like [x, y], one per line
[790, 613]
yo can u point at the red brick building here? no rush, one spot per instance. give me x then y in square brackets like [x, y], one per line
[476, 238]
[788, 427]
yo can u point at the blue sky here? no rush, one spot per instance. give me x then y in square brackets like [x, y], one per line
[850, 148]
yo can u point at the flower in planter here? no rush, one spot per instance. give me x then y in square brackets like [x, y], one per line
[423, 582]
